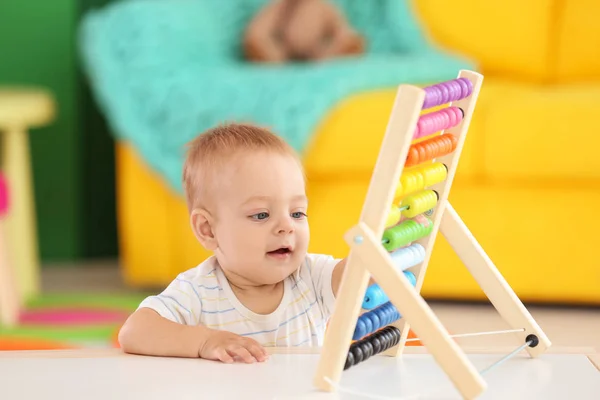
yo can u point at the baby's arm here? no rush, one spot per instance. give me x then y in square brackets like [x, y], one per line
[336, 276]
[168, 325]
[146, 332]
[338, 273]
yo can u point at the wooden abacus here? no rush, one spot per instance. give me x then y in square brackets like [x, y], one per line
[413, 176]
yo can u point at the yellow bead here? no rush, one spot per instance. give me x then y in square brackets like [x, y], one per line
[419, 177]
[418, 203]
[393, 216]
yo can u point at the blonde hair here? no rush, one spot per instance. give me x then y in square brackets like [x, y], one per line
[214, 147]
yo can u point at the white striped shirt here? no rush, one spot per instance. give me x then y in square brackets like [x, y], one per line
[202, 295]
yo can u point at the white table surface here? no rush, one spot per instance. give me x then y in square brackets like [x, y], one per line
[109, 374]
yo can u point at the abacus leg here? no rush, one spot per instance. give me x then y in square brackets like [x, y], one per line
[491, 281]
[413, 308]
[339, 332]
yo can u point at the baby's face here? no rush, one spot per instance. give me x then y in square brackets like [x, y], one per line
[261, 228]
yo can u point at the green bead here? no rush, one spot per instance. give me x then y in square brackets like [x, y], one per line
[404, 233]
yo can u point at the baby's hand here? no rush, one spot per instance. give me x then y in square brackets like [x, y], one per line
[226, 346]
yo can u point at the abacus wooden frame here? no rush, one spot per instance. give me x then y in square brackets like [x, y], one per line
[368, 257]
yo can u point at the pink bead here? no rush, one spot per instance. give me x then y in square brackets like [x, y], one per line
[436, 121]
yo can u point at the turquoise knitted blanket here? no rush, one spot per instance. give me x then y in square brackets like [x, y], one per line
[163, 71]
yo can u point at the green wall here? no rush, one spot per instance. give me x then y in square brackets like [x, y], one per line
[73, 159]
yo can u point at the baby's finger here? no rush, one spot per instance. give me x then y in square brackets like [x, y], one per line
[242, 352]
[223, 355]
[257, 351]
[253, 342]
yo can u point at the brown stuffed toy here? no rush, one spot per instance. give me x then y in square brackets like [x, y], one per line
[300, 30]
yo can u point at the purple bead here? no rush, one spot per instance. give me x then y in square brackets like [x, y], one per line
[429, 100]
[466, 86]
[446, 92]
[456, 91]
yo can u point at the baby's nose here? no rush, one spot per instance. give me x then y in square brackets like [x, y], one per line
[286, 225]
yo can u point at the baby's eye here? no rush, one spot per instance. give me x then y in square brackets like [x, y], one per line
[261, 215]
[298, 214]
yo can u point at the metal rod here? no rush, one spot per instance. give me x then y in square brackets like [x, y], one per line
[506, 357]
[476, 334]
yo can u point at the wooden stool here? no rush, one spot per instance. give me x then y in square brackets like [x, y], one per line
[21, 109]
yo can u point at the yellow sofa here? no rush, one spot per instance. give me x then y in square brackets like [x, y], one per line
[528, 180]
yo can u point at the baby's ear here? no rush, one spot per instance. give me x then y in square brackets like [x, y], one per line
[202, 225]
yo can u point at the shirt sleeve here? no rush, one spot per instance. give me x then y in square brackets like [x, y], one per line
[321, 267]
[179, 302]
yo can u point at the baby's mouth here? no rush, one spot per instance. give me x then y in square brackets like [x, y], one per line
[280, 252]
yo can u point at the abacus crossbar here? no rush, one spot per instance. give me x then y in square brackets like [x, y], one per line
[406, 205]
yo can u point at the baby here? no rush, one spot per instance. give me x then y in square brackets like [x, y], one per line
[245, 189]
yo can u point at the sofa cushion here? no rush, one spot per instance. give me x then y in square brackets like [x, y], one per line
[520, 228]
[505, 37]
[578, 41]
[539, 132]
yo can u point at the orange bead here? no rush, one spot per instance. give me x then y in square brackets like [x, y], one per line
[429, 149]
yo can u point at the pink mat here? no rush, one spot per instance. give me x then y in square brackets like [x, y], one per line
[3, 195]
[65, 316]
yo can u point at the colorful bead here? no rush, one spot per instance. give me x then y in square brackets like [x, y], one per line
[393, 216]
[445, 92]
[371, 345]
[418, 203]
[375, 319]
[361, 329]
[407, 257]
[4, 195]
[436, 121]
[429, 149]
[375, 295]
[405, 233]
[349, 360]
[419, 177]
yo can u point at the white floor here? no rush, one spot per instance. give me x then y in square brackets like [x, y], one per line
[290, 376]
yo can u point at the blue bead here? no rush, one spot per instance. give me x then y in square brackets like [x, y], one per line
[407, 257]
[368, 302]
[380, 314]
[358, 239]
[388, 313]
[374, 320]
[374, 296]
[360, 330]
[368, 324]
[411, 278]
